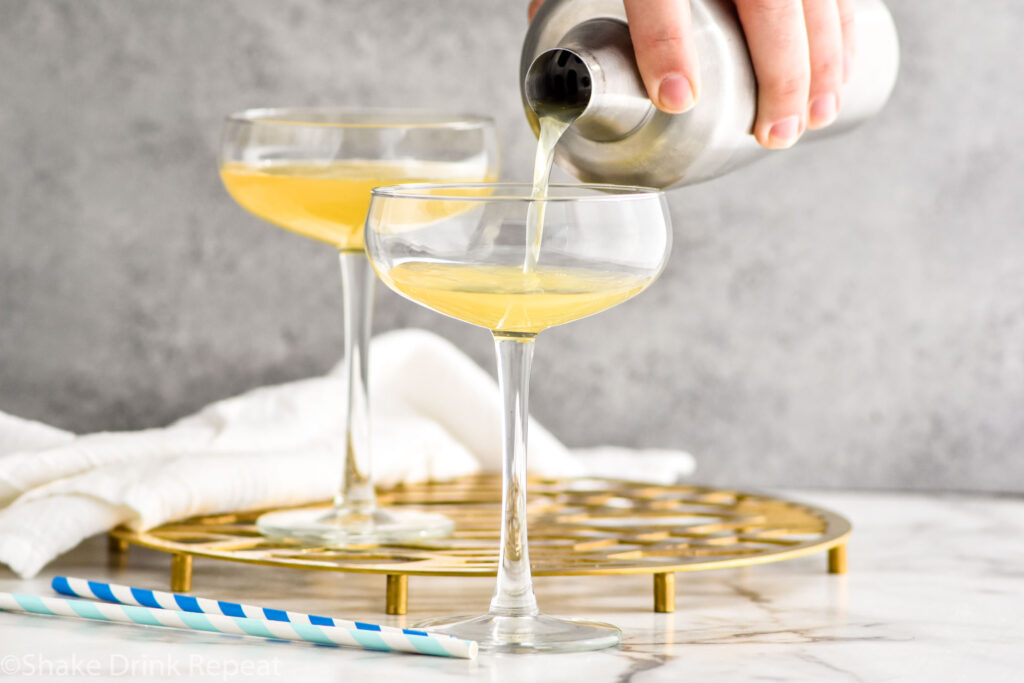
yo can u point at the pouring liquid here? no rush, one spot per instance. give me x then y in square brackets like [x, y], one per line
[560, 99]
[552, 126]
[521, 301]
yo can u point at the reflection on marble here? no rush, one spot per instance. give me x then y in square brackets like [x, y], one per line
[935, 593]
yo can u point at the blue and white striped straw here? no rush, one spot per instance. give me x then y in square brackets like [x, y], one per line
[242, 626]
[143, 597]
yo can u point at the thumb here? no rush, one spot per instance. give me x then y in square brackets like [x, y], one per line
[665, 52]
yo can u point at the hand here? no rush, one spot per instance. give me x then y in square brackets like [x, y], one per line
[802, 52]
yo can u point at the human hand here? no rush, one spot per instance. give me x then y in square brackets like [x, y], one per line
[802, 51]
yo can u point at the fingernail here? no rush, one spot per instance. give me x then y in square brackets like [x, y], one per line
[675, 94]
[784, 133]
[823, 110]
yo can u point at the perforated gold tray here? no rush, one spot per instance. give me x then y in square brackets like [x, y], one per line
[577, 527]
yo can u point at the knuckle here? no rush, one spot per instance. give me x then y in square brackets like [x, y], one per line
[848, 28]
[828, 70]
[664, 38]
[787, 86]
[770, 7]
[848, 17]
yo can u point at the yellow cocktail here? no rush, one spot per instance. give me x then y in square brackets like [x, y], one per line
[311, 171]
[504, 299]
[477, 253]
[327, 201]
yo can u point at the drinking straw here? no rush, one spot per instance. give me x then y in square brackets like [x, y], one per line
[127, 595]
[386, 641]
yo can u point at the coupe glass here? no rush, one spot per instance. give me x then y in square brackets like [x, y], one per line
[311, 171]
[470, 252]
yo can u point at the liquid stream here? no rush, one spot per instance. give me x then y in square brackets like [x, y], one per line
[552, 126]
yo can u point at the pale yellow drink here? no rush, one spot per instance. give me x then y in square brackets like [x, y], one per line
[328, 200]
[505, 299]
[552, 127]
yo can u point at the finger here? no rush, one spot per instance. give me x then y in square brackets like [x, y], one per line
[825, 42]
[848, 21]
[534, 6]
[665, 52]
[777, 38]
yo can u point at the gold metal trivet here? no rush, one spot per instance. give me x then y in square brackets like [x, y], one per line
[577, 527]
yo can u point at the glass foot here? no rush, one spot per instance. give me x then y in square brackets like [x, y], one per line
[538, 633]
[340, 528]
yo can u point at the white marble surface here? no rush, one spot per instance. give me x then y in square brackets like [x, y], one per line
[935, 592]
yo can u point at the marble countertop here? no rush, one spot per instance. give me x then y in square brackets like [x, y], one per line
[935, 592]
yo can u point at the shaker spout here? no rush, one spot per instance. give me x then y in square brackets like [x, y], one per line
[592, 76]
[559, 79]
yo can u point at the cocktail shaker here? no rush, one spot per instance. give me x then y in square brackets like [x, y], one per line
[578, 53]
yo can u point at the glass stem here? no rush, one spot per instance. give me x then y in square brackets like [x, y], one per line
[513, 594]
[356, 495]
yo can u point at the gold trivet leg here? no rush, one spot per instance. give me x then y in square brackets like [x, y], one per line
[837, 559]
[181, 573]
[665, 592]
[117, 552]
[397, 594]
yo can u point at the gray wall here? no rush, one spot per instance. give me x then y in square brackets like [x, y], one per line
[849, 313]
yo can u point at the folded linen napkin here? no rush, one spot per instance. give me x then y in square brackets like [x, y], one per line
[435, 416]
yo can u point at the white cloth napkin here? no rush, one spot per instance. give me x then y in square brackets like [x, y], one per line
[435, 416]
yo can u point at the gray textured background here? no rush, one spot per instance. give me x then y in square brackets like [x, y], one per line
[849, 313]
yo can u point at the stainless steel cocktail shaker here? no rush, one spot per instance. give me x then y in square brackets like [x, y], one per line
[620, 137]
